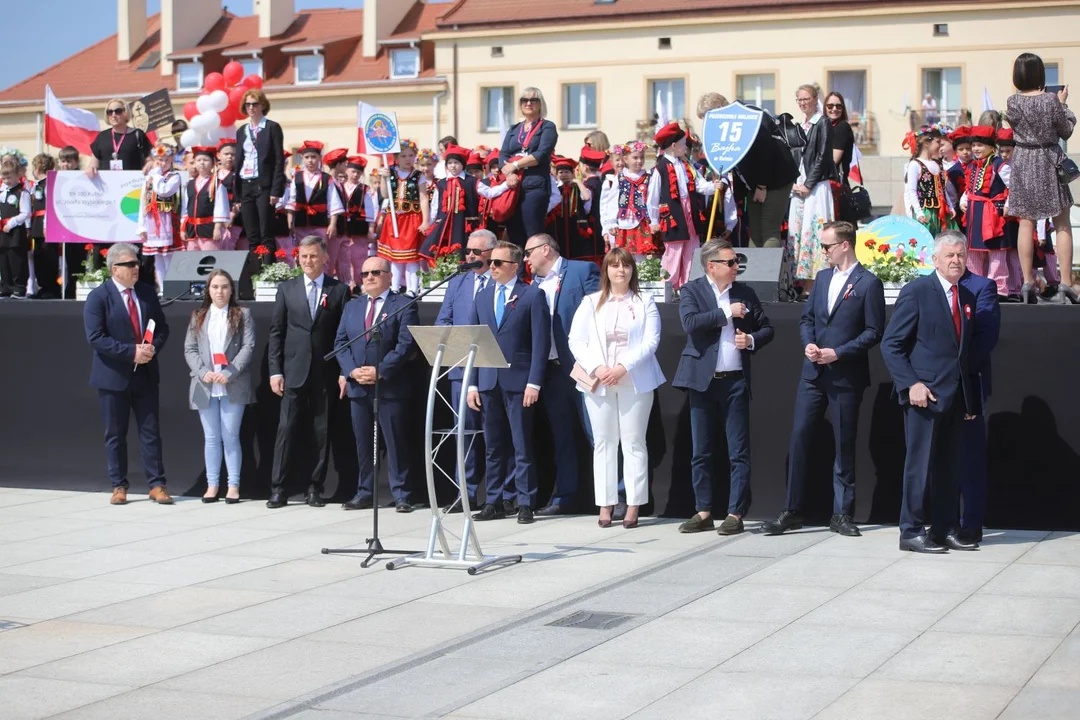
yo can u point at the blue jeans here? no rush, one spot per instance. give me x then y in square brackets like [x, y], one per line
[221, 425]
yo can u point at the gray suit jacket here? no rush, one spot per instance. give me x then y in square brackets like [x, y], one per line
[240, 351]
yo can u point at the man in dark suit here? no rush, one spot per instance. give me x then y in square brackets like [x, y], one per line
[387, 356]
[518, 316]
[843, 320]
[725, 325]
[124, 370]
[456, 309]
[565, 284]
[927, 348]
[306, 317]
[260, 170]
[987, 328]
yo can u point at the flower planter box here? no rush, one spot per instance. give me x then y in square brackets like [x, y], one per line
[436, 296]
[892, 291]
[658, 290]
[265, 291]
[82, 289]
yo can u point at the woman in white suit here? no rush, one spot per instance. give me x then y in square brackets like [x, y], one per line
[614, 338]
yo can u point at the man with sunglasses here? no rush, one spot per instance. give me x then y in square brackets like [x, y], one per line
[725, 325]
[843, 320]
[387, 358]
[457, 309]
[518, 317]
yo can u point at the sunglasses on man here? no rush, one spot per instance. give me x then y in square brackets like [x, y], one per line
[475, 251]
[500, 263]
[127, 264]
[730, 262]
[371, 273]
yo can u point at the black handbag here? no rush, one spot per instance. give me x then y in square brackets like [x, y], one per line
[1067, 171]
[855, 202]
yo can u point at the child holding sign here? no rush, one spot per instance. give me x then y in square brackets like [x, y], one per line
[159, 216]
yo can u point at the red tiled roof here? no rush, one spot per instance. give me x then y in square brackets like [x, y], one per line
[477, 13]
[420, 19]
[95, 72]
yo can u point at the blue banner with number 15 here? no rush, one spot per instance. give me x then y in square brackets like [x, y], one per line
[727, 134]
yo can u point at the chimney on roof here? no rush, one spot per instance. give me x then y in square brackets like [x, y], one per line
[381, 18]
[130, 28]
[184, 23]
[275, 16]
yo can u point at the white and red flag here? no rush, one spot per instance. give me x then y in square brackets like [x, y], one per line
[68, 125]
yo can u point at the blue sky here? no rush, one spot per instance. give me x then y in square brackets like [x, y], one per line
[82, 23]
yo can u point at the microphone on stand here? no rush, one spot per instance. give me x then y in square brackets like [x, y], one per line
[470, 265]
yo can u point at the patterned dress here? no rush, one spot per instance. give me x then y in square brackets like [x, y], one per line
[1038, 122]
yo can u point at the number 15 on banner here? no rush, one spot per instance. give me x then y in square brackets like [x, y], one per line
[728, 133]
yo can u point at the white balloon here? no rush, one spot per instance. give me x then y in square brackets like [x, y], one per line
[190, 138]
[229, 132]
[213, 120]
[219, 100]
[216, 135]
[203, 103]
[196, 123]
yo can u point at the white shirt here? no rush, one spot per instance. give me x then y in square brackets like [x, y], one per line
[222, 211]
[378, 301]
[250, 169]
[135, 300]
[837, 284]
[307, 289]
[476, 281]
[947, 287]
[334, 205]
[652, 197]
[550, 285]
[728, 357]
[24, 217]
[217, 329]
[482, 190]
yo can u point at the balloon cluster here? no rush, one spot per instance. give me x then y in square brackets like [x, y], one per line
[212, 118]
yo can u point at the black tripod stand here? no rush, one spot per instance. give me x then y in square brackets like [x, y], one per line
[374, 544]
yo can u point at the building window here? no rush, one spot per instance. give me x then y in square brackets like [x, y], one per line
[758, 90]
[405, 63]
[579, 105]
[942, 94]
[941, 30]
[665, 43]
[1053, 74]
[252, 66]
[189, 76]
[496, 51]
[671, 95]
[852, 85]
[309, 69]
[498, 108]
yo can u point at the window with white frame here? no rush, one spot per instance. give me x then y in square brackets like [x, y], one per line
[309, 69]
[852, 85]
[1053, 74]
[671, 94]
[252, 66]
[497, 108]
[945, 90]
[405, 63]
[758, 89]
[189, 76]
[579, 105]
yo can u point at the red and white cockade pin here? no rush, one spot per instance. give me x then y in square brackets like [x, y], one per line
[323, 301]
[383, 318]
[511, 300]
[848, 291]
[967, 311]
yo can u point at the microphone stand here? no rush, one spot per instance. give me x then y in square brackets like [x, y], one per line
[374, 544]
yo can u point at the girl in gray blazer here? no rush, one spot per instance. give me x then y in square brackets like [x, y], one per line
[219, 349]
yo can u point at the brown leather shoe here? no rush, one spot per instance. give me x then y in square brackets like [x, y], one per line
[160, 495]
[119, 496]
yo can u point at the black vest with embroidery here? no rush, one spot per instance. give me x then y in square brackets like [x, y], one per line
[411, 201]
[356, 223]
[312, 211]
[673, 222]
[200, 210]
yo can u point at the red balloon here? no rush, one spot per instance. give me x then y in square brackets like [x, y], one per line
[228, 116]
[236, 95]
[214, 81]
[253, 81]
[190, 110]
[233, 73]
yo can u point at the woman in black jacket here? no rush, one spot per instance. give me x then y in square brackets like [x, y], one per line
[260, 170]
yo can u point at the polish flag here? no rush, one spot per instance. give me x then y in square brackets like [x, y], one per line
[855, 172]
[68, 125]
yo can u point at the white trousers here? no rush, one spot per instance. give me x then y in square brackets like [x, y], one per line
[620, 415]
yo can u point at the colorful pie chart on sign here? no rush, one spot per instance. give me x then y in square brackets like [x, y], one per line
[129, 205]
[892, 233]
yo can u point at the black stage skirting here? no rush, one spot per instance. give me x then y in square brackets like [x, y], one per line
[51, 436]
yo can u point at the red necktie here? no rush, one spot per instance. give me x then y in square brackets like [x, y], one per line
[370, 314]
[956, 311]
[133, 313]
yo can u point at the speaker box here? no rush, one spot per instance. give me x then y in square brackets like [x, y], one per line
[188, 271]
[760, 268]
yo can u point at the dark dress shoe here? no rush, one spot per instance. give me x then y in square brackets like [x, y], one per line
[922, 544]
[210, 499]
[508, 508]
[357, 503]
[490, 512]
[552, 510]
[731, 526]
[403, 507]
[525, 515]
[315, 499]
[696, 524]
[619, 512]
[231, 501]
[970, 535]
[842, 525]
[786, 520]
[277, 500]
[953, 542]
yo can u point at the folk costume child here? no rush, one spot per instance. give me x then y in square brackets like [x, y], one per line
[159, 212]
[610, 172]
[475, 166]
[572, 230]
[677, 200]
[591, 161]
[493, 178]
[15, 210]
[989, 251]
[928, 195]
[624, 211]
[407, 188]
[45, 257]
[204, 205]
[455, 204]
[361, 213]
[956, 174]
[233, 237]
[425, 161]
[335, 161]
[316, 203]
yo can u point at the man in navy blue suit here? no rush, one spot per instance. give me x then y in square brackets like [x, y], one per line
[844, 318]
[385, 357]
[125, 368]
[456, 309]
[973, 481]
[725, 325]
[518, 317]
[927, 348]
[565, 284]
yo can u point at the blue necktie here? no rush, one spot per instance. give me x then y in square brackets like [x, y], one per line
[500, 305]
[481, 285]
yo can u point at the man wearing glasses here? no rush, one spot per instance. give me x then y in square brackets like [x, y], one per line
[725, 325]
[844, 319]
[457, 309]
[518, 316]
[386, 357]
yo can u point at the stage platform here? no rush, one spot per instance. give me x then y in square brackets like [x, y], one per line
[52, 431]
